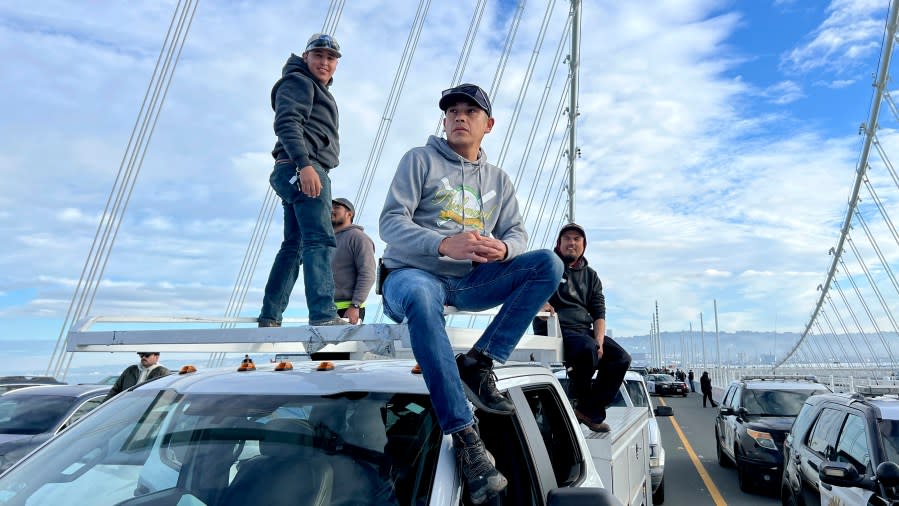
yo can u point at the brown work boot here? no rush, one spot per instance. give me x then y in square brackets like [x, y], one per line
[479, 382]
[477, 465]
[264, 322]
[595, 426]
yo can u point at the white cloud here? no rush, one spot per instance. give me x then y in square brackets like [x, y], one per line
[688, 196]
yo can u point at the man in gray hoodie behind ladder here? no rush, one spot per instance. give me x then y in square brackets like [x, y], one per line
[455, 237]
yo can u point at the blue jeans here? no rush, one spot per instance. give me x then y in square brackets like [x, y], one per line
[522, 285]
[308, 240]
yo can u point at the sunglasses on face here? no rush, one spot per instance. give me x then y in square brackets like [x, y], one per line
[145, 355]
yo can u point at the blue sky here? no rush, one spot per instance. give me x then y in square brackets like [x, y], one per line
[718, 138]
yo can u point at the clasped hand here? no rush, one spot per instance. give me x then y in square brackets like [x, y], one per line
[473, 246]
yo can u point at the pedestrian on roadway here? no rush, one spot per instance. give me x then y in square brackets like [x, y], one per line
[148, 368]
[353, 263]
[705, 384]
[692, 384]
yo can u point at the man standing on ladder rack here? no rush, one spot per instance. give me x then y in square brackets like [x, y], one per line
[455, 237]
[307, 149]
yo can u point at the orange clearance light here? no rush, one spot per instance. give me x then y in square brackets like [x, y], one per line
[416, 369]
[187, 369]
[284, 365]
[325, 366]
[246, 366]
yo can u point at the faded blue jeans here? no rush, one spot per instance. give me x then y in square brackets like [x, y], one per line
[522, 285]
[308, 240]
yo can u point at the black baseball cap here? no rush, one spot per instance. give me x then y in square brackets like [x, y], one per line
[573, 226]
[467, 92]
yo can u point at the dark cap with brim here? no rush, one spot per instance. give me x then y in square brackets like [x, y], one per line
[467, 93]
[345, 203]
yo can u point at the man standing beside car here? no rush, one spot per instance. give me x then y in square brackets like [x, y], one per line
[705, 384]
[147, 369]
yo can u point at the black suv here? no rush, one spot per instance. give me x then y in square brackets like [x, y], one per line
[753, 421]
[842, 450]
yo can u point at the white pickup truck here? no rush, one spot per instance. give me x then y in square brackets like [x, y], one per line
[337, 432]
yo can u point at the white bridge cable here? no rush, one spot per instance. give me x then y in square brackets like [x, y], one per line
[538, 117]
[880, 256]
[883, 212]
[473, 28]
[332, 18]
[560, 190]
[868, 311]
[854, 317]
[873, 284]
[886, 160]
[869, 130]
[525, 84]
[843, 327]
[129, 168]
[507, 49]
[544, 156]
[396, 89]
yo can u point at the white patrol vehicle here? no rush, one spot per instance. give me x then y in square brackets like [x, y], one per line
[316, 432]
[638, 396]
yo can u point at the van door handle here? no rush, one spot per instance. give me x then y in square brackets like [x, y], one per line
[812, 465]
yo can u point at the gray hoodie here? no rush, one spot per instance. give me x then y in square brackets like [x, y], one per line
[353, 265]
[437, 193]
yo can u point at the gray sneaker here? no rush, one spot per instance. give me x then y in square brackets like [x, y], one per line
[331, 322]
[482, 480]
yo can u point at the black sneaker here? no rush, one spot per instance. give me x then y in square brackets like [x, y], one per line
[480, 384]
[478, 467]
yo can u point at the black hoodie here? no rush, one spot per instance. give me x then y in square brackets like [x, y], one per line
[306, 117]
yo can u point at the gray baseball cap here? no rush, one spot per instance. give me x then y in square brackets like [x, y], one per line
[345, 203]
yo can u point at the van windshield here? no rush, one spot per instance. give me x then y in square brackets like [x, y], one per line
[229, 449]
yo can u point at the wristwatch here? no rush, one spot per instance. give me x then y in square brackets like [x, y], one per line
[354, 305]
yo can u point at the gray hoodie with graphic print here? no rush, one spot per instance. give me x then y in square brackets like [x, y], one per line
[437, 193]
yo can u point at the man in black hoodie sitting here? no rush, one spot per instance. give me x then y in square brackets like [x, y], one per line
[581, 307]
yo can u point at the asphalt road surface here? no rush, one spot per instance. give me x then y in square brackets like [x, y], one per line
[692, 474]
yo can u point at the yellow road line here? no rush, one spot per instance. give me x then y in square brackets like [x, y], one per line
[713, 490]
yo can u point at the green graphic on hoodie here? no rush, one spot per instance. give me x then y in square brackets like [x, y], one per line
[463, 205]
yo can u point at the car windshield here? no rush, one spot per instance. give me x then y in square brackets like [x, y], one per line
[776, 402]
[230, 449]
[665, 378]
[637, 393]
[32, 414]
[889, 432]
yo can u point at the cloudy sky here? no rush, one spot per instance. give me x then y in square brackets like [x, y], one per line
[718, 140]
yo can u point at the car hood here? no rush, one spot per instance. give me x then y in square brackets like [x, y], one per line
[770, 423]
[13, 440]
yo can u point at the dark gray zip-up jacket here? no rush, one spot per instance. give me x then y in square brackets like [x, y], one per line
[130, 376]
[306, 118]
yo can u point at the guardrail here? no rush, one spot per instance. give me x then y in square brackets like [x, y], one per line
[842, 378]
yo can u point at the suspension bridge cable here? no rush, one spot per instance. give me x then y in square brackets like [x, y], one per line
[854, 318]
[109, 222]
[544, 156]
[886, 160]
[538, 117]
[883, 212]
[525, 83]
[873, 284]
[396, 89]
[507, 49]
[844, 328]
[465, 53]
[883, 261]
[868, 312]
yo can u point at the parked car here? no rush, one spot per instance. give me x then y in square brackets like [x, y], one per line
[638, 395]
[666, 384]
[843, 449]
[752, 423]
[10, 383]
[30, 416]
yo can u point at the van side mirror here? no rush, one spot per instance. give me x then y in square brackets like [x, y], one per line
[726, 411]
[742, 412]
[663, 411]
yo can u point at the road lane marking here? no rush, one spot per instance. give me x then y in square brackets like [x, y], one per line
[713, 490]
